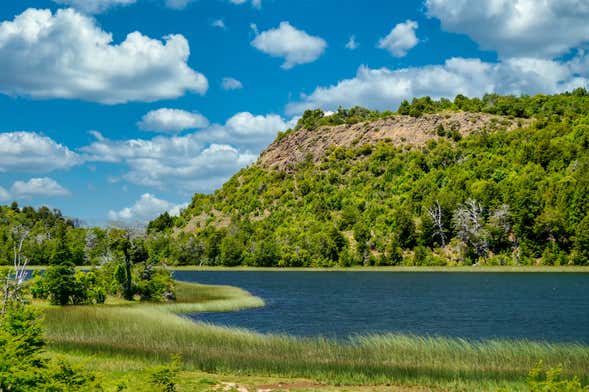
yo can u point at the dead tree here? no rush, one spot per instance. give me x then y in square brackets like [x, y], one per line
[436, 215]
[469, 224]
[15, 277]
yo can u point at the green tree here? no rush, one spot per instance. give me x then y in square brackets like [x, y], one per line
[61, 284]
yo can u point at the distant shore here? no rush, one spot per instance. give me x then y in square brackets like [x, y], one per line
[535, 269]
[473, 269]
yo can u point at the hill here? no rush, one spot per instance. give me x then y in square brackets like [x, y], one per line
[497, 180]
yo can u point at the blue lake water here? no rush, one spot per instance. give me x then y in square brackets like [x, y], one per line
[534, 306]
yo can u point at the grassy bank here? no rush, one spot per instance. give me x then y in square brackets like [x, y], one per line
[151, 333]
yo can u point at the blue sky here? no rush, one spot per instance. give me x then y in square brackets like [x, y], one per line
[121, 109]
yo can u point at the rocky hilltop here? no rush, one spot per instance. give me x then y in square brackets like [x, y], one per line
[295, 147]
[505, 183]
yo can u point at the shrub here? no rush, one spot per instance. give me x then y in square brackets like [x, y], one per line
[154, 284]
[165, 377]
[24, 368]
[551, 380]
[62, 285]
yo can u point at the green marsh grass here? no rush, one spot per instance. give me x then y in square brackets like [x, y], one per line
[152, 332]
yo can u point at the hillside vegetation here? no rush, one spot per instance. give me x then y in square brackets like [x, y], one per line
[511, 188]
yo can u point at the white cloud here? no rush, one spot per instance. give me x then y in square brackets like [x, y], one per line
[255, 3]
[352, 44]
[38, 187]
[99, 6]
[172, 120]
[246, 124]
[401, 38]
[4, 195]
[177, 4]
[199, 161]
[219, 23]
[385, 89]
[94, 6]
[67, 55]
[31, 152]
[145, 209]
[295, 46]
[231, 84]
[517, 28]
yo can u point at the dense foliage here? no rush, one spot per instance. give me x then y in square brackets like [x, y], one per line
[63, 285]
[23, 365]
[495, 197]
[51, 238]
[121, 258]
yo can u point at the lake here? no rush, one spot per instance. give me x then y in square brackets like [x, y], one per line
[534, 306]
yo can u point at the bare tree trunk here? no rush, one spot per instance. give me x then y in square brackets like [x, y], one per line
[436, 215]
[15, 278]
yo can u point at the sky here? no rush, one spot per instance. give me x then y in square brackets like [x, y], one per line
[119, 110]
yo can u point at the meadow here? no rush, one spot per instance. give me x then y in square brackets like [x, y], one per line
[120, 339]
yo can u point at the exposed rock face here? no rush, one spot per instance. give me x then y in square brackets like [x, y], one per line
[294, 148]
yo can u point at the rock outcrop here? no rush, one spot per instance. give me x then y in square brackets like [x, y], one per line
[287, 152]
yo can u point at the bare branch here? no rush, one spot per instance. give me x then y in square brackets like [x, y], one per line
[436, 214]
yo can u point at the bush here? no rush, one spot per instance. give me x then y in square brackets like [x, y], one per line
[62, 285]
[165, 377]
[38, 286]
[24, 368]
[551, 380]
[154, 284]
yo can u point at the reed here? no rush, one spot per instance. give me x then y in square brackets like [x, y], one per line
[151, 333]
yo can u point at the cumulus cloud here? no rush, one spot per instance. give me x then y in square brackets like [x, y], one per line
[219, 23]
[44, 186]
[145, 209]
[231, 84]
[177, 4]
[198, 161]
[4, 195]
[401, 38]
[246, 124]
[255, 3]
[517, 28]
[31, 152]
[352, 44]
[385, 88]
[94, 6]
[99, 6]
[172, 120]
[67, 55]
[295, 46]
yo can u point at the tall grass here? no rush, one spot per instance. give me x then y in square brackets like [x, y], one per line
[153, 332]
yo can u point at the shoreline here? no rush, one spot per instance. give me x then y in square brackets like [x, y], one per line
[147, 334]
[461, 269]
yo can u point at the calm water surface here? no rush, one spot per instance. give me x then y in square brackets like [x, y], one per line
[535, 306]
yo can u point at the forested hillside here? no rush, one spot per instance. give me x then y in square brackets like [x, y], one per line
[46, 237]
[501, 194]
